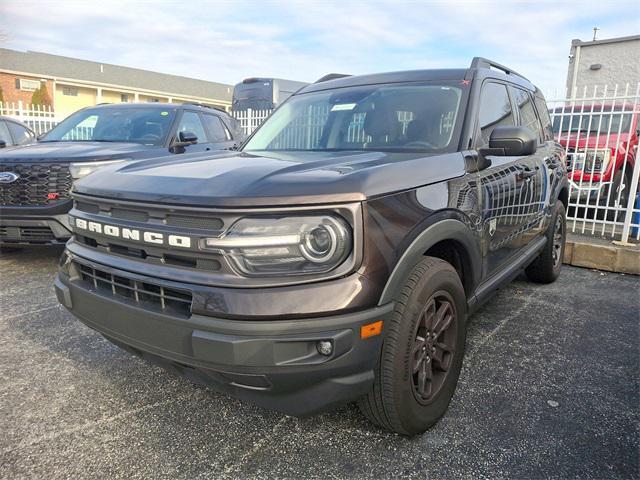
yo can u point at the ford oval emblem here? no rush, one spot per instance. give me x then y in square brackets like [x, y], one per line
[8, 177]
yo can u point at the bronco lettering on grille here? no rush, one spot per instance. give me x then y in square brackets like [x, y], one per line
[156, 238]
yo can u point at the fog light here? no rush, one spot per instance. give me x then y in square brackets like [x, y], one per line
[325, 347]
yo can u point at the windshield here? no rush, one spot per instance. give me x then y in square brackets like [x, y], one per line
[605, 123]
[403, 118]
[148, 126]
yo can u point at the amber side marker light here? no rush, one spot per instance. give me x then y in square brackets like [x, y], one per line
[371, 329]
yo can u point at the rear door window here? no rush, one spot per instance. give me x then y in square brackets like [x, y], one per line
[545, 119]
[495, 110]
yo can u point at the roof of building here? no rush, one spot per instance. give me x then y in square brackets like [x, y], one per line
[47, 65]
[577, 41]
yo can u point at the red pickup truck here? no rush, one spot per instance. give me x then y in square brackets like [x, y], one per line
[602, 145]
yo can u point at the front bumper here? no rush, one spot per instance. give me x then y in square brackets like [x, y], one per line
[588, 192]
[273, 363]
[35, 225]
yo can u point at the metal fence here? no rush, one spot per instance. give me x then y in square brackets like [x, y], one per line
[599, 130]
[40, 118]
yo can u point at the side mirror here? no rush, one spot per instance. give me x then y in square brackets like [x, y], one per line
[185, 139]
[512, 141]
[3, 144]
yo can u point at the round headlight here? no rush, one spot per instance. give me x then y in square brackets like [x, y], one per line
[319, 244]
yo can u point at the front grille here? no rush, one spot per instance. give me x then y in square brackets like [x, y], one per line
[30, 234]
[35, 183]
[211, 224]
[148, 295]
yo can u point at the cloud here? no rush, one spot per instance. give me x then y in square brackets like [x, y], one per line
[226, 41]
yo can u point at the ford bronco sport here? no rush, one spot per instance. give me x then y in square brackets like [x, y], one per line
[36, 179]
[340, 253]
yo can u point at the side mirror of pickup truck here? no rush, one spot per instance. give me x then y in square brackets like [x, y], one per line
[512, 141]
[3, 144]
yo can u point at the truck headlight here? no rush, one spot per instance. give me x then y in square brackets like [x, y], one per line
[82, 169]
[272, 246]
[597, 160]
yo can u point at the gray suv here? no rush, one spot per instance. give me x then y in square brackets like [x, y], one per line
[36, 179]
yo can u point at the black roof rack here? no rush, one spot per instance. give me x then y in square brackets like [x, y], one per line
[331, 76]
[480, 62]
[205, 106]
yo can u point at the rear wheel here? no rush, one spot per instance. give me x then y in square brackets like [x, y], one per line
[421, 353]
[546, 267]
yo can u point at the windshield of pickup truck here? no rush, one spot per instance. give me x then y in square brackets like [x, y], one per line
[147, 126]
[587, 122]
[396, 118]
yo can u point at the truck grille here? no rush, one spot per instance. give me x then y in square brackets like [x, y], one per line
[35, 183]
[30, 234]
[148, 295]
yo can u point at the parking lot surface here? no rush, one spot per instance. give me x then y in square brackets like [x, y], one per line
[549, 389]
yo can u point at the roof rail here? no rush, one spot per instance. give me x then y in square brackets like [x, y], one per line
[331, 76]
[193, 104]
[480, 62]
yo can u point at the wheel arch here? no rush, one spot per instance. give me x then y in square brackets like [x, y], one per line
[448, 239]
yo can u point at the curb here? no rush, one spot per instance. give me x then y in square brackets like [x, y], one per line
[602, 255]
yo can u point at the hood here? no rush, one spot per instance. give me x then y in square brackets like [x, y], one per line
[232, 179]
[74, 151]
[592, 140]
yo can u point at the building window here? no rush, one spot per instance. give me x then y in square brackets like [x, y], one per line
[27, 85]
[124, 98]
[70, 91]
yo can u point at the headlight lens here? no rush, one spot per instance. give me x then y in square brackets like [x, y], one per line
[259, 247]
[597, 160]
[79, 170]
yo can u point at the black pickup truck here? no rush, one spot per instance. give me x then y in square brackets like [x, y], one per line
[338, 255]
[36, 179]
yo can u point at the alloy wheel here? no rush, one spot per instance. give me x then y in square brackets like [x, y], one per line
[433, 347]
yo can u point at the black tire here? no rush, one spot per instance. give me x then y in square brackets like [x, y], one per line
[546, 267]
[399, 400]
[621, 186]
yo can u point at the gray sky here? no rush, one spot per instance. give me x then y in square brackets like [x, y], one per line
[227, 41]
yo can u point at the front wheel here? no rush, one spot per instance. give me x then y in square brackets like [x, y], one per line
[421, 353]
[546, 267]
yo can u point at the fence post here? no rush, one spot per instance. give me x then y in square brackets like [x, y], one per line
[249, 121]
[20, 112]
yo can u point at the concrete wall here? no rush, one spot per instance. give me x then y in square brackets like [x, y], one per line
[619, 60]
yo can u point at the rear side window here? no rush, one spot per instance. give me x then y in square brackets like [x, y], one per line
[495, 110]
[20, 134]
[543, 113]
[528, 117]
[217, 131]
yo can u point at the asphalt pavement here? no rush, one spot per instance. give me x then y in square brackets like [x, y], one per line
[550, 388]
